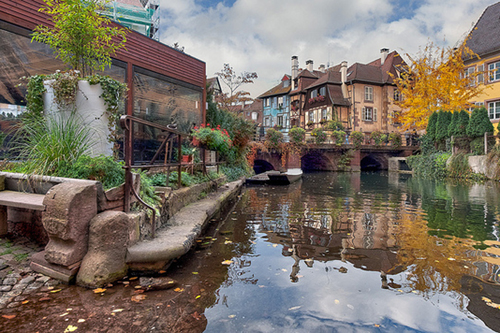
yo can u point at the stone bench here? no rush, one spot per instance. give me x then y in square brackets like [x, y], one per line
[16, 199]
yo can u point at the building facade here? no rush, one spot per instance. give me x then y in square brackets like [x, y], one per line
[484, 41]
[361, 97]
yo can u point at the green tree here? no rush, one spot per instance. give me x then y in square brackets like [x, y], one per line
[453, 124]
[479, 123]
[463, 122]
[431, 126]
[80, 36]
[442, 124]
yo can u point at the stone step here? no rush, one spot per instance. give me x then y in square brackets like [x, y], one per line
[177, 238]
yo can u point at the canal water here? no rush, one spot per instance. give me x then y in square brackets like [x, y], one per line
[369, 252]
[334, 252]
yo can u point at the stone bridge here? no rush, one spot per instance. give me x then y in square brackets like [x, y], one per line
[328, 157]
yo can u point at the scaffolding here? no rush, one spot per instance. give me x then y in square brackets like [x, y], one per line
[142, 16]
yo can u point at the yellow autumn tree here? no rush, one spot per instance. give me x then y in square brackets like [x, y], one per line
[435, 80]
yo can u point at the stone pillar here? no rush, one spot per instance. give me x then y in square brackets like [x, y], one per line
[356, 161]
[69, 209]
[110, 234]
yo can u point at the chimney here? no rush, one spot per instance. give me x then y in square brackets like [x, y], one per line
[309, 65]
[295, 70]
[383, 55]
[343, 71]
[343, 77]
[322, 68]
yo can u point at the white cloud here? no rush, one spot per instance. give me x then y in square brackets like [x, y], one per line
[262, 35]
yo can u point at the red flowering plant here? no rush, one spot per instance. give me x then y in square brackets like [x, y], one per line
[211, 138]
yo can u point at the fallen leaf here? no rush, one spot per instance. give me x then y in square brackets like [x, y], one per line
[179, 290]
[486, 299]
[55, 291]
[138, 287]
[452, 259]
[337, 301]
[138, 298]
[162, 272]
[376, 325]
[261, 286]
[25, 302]
[284, 270]
[275, 245]
[133, 278]
[294, 308]
[231, 316]
[81, 321]
[197, 296]
[99, 290]
[138, 291]
[196, 315]
[228, 242]
[9, 316]
[300, 276]
[227, 262]
[50, 288]
[44, 299]
[117, 310]
[126, 282]
[195, 273]
[70, 328]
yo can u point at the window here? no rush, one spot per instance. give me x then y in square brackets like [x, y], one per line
[311, 116]
[267, 122]
[280, 101]
[267, 102]
[369, 114]
[255, 116]
[314, 93]
[322, 91]
[280, 121]
[324, 114]
[368, 93]
[494, 110]
[396, 95]
[480, 74]
[468, 73]
[493, 72]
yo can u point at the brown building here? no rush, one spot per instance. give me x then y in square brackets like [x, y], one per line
[361, 96]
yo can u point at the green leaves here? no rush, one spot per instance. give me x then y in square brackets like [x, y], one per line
[80, 36]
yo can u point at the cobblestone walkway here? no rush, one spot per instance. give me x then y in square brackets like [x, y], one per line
[17, 280]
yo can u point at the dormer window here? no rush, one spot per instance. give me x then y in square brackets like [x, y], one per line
[314, 93]
[322, 91]
[286, 83]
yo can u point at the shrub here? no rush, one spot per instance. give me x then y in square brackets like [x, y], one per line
[274, 139]
[339, 137]
[102, 168]
[442, 124]
[333, 125]
[319, 134]
[357, 138]
[377, 137]
[479, 123]
[395, 139]
[297, 135]
[427, 144]
[431, 126]
[429, 166]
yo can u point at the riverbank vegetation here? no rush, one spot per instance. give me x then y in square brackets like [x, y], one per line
[449, 141]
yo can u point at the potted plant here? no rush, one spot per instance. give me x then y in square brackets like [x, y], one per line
[216, 139]
[357, 139]
[85, 41]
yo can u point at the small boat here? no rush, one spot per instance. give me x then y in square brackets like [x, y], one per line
[259, 179]
[284, 178]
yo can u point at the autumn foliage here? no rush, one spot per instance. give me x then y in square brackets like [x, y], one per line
[435, 80]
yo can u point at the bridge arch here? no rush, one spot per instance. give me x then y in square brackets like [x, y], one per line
[372, 162]
[260, 166]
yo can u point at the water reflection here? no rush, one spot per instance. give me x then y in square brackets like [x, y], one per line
[366, 251]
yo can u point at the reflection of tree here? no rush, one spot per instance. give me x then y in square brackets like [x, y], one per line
[433, 264]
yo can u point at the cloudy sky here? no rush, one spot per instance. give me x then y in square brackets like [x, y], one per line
[262, 35]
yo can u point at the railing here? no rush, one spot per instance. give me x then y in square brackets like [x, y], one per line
[169, 136]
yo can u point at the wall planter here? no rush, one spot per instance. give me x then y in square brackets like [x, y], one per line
[89, 109]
